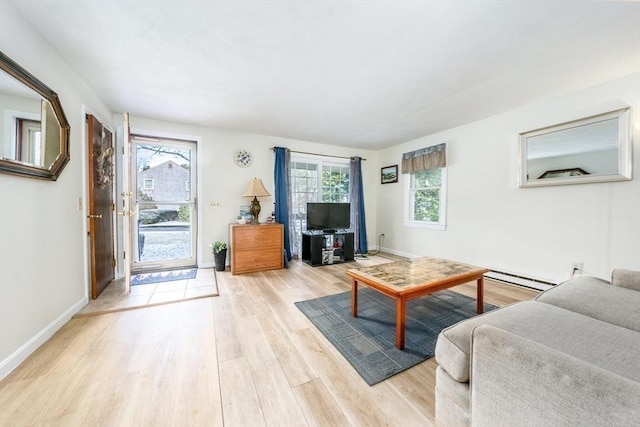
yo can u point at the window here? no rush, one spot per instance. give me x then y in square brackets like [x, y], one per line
[304, 183]
[148, 183]
[426, 198]
[335, 183]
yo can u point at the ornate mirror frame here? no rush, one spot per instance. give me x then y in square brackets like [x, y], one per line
[16, 167]
[592, 149]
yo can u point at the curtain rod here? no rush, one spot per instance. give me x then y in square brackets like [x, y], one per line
[316, 154]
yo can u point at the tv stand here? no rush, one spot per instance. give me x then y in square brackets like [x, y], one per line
[327, 247]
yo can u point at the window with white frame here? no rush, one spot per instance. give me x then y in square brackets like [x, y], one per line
[426, 188]
[148, 184]
[335, 183]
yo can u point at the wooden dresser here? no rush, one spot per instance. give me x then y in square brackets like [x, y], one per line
[256, 247]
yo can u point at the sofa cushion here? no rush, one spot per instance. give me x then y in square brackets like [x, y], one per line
[519, 382]
[595, 298]
[629, 279]
[549, 325]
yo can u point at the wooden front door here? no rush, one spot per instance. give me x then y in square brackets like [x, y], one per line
[101, 205]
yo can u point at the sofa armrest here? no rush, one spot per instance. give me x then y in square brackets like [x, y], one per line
[518, 382]
[626, 278]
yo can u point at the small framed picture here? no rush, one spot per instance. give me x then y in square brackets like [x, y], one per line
[389, 174]
[245, 212]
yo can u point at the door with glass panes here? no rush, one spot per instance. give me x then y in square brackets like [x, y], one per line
[316, 180]
[164, 203]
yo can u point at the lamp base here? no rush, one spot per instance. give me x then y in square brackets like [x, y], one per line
[255, 210]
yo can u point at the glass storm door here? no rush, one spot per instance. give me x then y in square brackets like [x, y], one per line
[164, 226]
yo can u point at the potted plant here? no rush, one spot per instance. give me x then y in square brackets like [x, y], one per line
[219, 254]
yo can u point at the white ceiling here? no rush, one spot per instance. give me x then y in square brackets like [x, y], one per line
[360, 74]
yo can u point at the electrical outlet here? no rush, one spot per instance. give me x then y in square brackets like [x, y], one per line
[576, 267]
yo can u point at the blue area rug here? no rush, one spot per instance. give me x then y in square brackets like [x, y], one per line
[368, 341]
[163, 276]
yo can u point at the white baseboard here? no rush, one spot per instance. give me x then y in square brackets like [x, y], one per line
[513, 279]
[17, 357]
[399, 253]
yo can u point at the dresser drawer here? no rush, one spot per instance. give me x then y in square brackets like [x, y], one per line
[257, 260]
[257, 237]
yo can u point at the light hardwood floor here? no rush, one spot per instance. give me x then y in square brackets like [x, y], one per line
[248, 357]
[114, 299]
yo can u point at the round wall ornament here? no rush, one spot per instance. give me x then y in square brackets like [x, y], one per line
[242, 158]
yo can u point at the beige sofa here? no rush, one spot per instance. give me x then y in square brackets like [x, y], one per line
[571, 357]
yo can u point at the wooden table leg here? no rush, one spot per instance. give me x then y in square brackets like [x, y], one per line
[480, 297]
[354, 297]
[400, 322]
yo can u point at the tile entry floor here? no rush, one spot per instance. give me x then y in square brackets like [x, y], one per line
[114, 299]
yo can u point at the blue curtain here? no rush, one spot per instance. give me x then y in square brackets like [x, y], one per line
[282, 194]
[356, 196]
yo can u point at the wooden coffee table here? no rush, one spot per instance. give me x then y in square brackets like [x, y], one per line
[406, 280]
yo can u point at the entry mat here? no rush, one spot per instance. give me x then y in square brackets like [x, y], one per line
[163, 276]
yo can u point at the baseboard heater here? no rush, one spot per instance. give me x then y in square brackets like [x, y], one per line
[514, 279]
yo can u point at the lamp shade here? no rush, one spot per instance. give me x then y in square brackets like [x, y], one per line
[256, 189]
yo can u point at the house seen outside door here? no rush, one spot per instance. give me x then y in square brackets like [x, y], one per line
[164, 203]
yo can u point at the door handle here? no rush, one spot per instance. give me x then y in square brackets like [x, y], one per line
[94, 216]
[125, 213]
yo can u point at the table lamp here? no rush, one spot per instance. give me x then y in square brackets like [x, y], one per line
[255, 189]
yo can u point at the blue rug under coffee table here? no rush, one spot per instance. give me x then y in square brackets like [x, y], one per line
[368, 341]
[163, 276]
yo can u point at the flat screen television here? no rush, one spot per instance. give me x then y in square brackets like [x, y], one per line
[328, 216]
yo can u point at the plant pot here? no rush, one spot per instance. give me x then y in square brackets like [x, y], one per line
[220, 259]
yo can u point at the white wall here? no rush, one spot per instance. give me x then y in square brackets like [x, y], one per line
[221, 182]
[536, 232]
[42, 231]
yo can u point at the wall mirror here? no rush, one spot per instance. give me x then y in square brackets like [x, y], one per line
[33, 127]
[593, 149]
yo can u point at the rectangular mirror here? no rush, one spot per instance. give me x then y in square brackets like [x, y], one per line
[593, 149]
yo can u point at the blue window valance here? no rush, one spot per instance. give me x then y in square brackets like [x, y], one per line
[424, 158]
